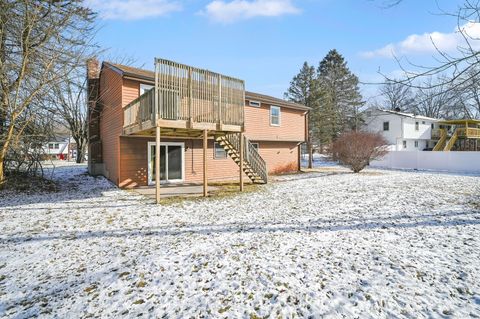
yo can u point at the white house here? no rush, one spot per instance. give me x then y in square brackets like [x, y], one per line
[403, 131]
[57, 147]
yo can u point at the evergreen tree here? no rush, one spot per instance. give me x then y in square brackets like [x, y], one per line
[304, 90]
[339, 98]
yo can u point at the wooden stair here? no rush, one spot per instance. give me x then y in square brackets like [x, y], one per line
[254, 165]
[442, 141]
[451, 141]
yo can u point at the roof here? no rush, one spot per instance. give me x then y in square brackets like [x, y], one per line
[274, 100]
[133, 72]
[148, 75]
[411, 115]
[460, 122]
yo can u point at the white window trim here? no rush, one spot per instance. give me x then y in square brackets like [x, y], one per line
[279, 115]
[144, 87]
[149, 156]
[250, 103]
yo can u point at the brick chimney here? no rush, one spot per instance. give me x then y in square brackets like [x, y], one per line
[93, 68]
[94, 110]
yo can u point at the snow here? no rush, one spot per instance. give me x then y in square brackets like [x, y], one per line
[335, 244]
[318, 160]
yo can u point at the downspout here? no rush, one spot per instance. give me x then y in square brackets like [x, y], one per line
[403, 133]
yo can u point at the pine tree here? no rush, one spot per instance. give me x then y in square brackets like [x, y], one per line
[339, 98]
[303, 90]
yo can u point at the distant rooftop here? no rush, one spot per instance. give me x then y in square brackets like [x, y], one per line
[411, 115]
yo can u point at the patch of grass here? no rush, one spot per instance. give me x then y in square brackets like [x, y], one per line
[224, 190]
[26, 183]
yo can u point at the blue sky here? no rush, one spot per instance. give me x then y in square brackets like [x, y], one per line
[265, 42]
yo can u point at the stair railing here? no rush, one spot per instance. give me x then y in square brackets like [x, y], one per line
[451, 141]
[441, 142]
[250, 155]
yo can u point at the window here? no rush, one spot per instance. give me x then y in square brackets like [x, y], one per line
[416, 126]
[432, 126]
[50, 146]
[386, 126]
[404, 144]
[416, 144]
[57, 146]
[423, 122]
[254, 103]
[219, 151]
[275, 115]
[144, 88]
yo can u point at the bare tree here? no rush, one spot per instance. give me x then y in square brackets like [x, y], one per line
[397, 96]
[69, 105]
[40, 42]
[458, 71]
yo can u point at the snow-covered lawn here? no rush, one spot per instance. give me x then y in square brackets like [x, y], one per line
[379, 244]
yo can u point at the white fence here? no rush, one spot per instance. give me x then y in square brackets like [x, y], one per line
[458, 162]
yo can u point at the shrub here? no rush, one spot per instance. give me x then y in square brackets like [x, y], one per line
[356, 149]
[286, 168]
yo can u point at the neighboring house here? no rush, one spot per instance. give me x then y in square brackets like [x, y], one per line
[57, 148]
[403, 131]
[196, 118]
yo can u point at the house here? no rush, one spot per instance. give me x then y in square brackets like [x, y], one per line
[192, 125]
[403, 131]
[57, 148]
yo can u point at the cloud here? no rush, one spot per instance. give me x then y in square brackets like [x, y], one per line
[428, 43]
[228, 12]
[132, 9]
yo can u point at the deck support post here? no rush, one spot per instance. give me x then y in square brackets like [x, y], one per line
[205, 148]
[157, 164]
[242, 146]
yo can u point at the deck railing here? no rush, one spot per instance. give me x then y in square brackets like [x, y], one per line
[140, 109]
[190, 94]
[468, 132]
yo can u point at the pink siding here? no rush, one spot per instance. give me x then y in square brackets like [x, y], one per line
[257, 124]
[126, 160]
[111, 121]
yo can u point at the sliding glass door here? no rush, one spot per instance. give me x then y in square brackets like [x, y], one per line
[171, 162]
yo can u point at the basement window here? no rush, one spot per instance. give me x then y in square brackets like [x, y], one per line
[219, 151]
[254, 103]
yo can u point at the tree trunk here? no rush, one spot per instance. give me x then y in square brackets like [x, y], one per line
[2, 172]
[80, 152]
[310, 154]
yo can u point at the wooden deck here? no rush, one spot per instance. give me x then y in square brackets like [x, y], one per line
[192, 102]
[187, 99]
